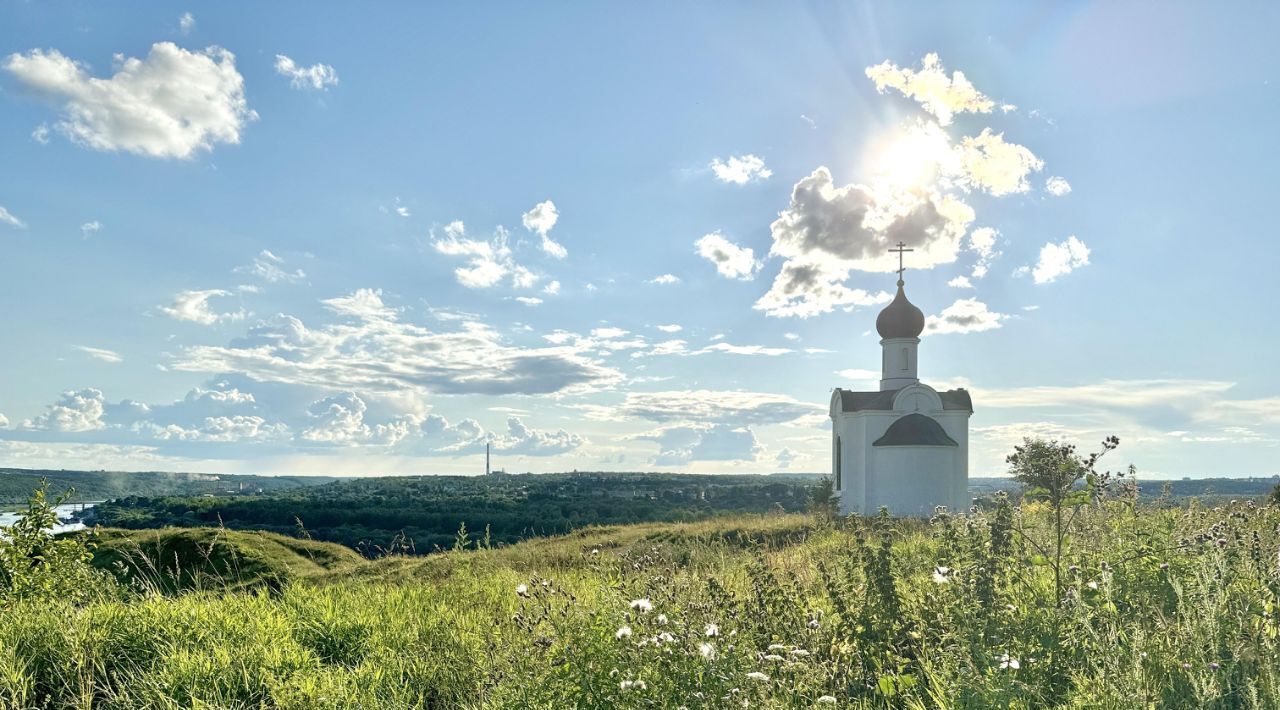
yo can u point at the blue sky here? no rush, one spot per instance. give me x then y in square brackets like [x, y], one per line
[368, 239]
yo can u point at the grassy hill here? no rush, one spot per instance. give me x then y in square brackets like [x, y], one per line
[1157, 608]
[172, 559]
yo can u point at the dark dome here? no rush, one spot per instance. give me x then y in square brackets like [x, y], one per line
[900, 319]
[915, 430]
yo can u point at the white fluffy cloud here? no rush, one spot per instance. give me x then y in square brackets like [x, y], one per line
[714, 406]
[930, 86]
[665, 279]
[340, 419]
[1057, 186]
[172, 104]
[982, 241]
[960, 282]
[740, 169]
[541, 219]
[489, 261]
[375, 351]
[100, 354]
[1060, 259]
[76, 411]
[669, 328]
[90, 228]
[194, 306]
[731, 260]
[317, 77]
[966, 315]
[186, 23]
[989, 163]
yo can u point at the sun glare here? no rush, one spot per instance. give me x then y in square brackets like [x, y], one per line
[912, 156]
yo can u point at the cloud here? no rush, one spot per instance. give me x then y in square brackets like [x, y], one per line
[982, 241]
[1060, 259]
[930, 86]
[100, 354]
[488, 261]
[672, 328]
[41, 134]
[665, 279]
[960, 282]
[529, 300]
[987, 162]
[552, 288]
[267, 266]
[339, 420]
[186, 23]
[859, 375]
[731, 260]
[785, 458]
[317, 77]
[172, 104]
[89, 228]
[4, 422]
[193, 306]
[8, 218]
[522, 440]
[740, 169]
[682, 444]
[541, 219]
[827, 231]
[714, 406]
[76, 411]
[375, 351]
[1057, 186]
[743, 350]
[469, 437]
[966, 315]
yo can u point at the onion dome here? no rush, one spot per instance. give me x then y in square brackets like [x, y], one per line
[915, 430]
[900, 319]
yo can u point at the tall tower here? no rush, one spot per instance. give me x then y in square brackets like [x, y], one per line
[486, 458]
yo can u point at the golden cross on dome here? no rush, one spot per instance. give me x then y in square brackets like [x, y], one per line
[902, 248]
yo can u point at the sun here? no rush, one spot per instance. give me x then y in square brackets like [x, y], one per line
[913, 156]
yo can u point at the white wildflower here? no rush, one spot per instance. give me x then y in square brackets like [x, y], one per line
[1092, 585]
[1007, 663]
[644, 606]
[712, 630]
[662, 619]
[708, 651]
[624, 632]
[827, 700]
[774, 657]
[522, 590]
[942, 575]
[799, 652]
[757, 675]
[632, 685]
[777, 647]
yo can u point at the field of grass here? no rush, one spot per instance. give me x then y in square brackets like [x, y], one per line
[1155, 608]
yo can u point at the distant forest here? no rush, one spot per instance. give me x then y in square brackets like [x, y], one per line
[16, 484]
[424, 513]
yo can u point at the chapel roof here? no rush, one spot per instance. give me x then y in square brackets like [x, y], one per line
[957, 399]
[901, 318]
[915, 429]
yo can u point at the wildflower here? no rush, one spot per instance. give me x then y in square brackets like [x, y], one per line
[624, 632]
[595, 550]
[712, 630]
[942, 575]
[662, 619]
[1073, 569]
[632, 685]
[813, 624]
[522, 590]
[1222, 542]
[827, 700]
[1214, 666]
[1092, 585]
[757, 675]
[1008, 662]
[1164, 565]
[776, 647]
[664, 637]
[1010, 607]
[1104, 566]
[707, 650]
[774, 657]
[644, 606]
[799, 652]
[1186, 666]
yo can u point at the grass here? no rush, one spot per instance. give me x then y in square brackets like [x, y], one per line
[1163, 608]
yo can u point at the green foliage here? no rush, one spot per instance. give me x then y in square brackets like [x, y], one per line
[417, 515]
[36, 565]
[823, 501]
[16, 484]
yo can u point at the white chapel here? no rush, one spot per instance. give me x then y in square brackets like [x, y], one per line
[906, 446]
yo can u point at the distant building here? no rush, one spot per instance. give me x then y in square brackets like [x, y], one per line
[906, 446]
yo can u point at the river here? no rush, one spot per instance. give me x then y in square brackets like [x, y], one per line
[65, 522]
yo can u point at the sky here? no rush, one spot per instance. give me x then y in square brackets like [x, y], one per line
[365, 239]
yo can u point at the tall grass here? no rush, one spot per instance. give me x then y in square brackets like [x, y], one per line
[1161, 608]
